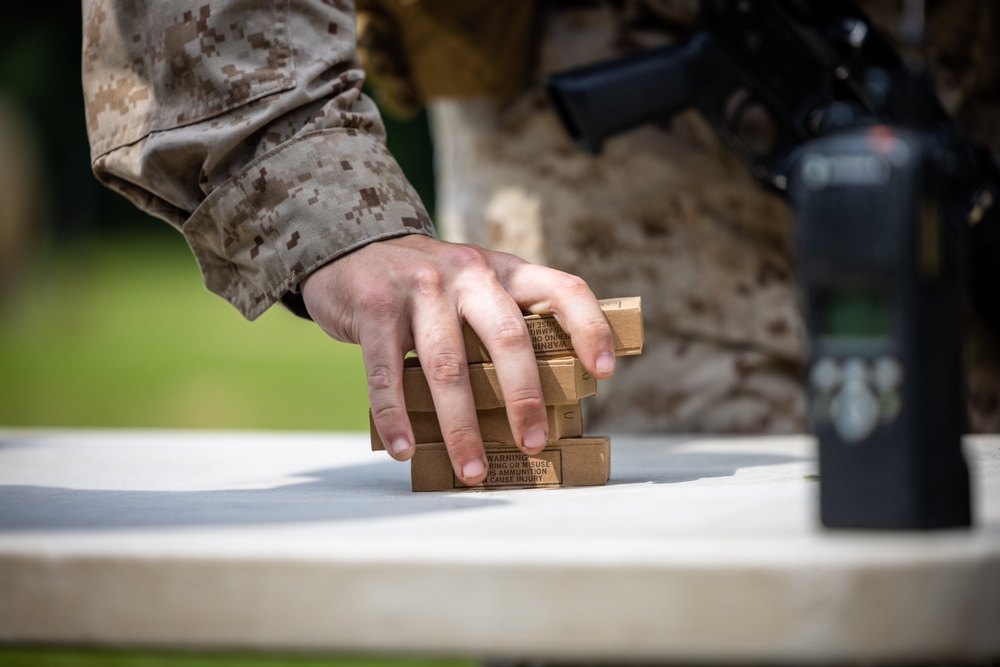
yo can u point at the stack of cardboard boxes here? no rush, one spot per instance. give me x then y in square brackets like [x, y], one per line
[569, 458]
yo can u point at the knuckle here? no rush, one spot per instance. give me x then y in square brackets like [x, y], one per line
[511, 333]
[462, 438]
[595, 328]
[377, 303]
[387, 414]
[426, 279]
[446, 368]
[525, 399]
[468, 257]
[572, 285]
[381, 378]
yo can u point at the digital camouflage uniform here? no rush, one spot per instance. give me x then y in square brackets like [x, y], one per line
[243, 125]
[672, 215]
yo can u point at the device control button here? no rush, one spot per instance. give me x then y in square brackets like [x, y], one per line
[825, 374]
[821, 406]
[816, 171]
[891, 405]
[855, 411]
[888, 373]
[855, 370]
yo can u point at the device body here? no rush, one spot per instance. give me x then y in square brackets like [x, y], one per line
[881, 274]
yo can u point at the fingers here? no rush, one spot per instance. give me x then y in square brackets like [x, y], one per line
[414, 293]
[384, 371]
[517, 370]
[346, 303]
[438, 338]
[500, 325]
[541, 290]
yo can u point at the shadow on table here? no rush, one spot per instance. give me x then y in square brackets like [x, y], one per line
[334, 494]
[358, 492]
[674, 463]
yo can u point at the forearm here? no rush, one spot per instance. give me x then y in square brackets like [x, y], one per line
[263, 151]
[243, 124]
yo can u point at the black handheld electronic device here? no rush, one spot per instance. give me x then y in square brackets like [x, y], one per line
[888, 198]
[882, 274]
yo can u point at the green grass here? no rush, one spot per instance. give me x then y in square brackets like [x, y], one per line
[48, 657]
[120, 332]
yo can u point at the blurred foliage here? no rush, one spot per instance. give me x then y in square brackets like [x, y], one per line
[121, 333]
[40, 76]
[105, 321]
[103, 317]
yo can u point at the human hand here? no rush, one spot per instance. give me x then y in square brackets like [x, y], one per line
[413, 293]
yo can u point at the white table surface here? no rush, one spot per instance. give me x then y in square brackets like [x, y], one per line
[698, 549]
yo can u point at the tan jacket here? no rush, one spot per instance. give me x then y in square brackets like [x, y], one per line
[243, 125]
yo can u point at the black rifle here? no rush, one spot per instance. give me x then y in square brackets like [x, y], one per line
[890, 202]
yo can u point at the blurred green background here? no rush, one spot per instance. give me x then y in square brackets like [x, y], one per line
[104, 321]
[103, 318]
[35, 657]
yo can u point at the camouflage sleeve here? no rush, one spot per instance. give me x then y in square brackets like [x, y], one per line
[242, 123]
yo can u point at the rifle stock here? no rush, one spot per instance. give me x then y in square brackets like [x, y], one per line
[609, 97]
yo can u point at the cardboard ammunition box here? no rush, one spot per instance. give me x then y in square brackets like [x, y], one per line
[571, 462]
[565, 421]
[549, 340]
[564, 382]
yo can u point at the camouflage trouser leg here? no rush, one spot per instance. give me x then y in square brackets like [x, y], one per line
[671, 216]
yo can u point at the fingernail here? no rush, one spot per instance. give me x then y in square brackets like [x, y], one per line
[605, 363]
[399, 446]
[473, 469]
[534, 439]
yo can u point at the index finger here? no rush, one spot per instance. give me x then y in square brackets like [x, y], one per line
[568, 298]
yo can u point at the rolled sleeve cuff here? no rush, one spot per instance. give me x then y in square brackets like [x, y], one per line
[297, 208]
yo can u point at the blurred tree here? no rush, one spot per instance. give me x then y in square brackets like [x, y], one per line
[40, 72]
